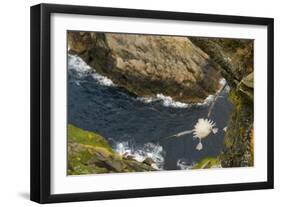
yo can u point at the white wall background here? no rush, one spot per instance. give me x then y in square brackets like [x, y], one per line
[14, 101]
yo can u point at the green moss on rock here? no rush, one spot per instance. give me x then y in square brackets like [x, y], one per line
[81, 136]
[238, 150]
[208, 162]
[234, 58]
[90, 153]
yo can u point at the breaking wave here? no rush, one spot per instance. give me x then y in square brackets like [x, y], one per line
[148, 150]
[77, 64]
[166, 100]
[82, 69]
[169, 102]
[183, 165]
[102, 80]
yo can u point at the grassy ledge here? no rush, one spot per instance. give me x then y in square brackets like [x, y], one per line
[90, 153]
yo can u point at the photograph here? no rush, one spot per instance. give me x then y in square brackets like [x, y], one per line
[129, 103]
[154, 102]
[140, 103]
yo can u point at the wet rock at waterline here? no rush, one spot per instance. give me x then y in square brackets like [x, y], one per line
[90, 153]
[147, 65]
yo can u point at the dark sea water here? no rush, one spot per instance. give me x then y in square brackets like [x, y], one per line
[140, 126]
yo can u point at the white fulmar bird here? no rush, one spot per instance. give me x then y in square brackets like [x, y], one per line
[201, 130]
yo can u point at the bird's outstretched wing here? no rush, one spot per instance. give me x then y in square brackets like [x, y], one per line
[181, 133]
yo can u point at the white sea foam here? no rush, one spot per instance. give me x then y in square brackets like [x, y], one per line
[182, 165]
[208, 100]
[102, 80]
[166, 101]
[149, 150]
[76, 63]
[222, 81]
[146, 99]
[169, 102]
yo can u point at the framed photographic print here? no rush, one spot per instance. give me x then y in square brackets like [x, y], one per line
[132, 103]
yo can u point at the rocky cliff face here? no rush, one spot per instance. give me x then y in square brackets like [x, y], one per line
[234, 58]
[147, 65]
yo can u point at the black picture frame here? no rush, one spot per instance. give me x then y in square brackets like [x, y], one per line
[41, 96]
